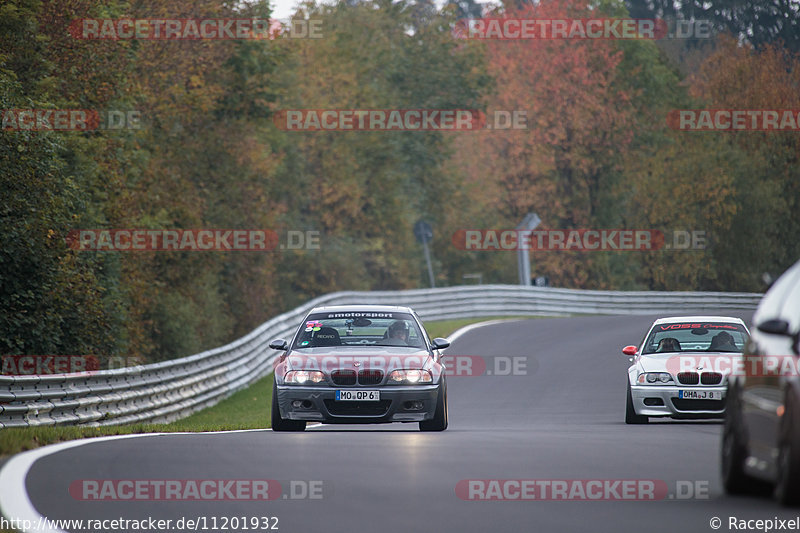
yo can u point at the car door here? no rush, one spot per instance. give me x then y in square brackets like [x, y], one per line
[762, 393]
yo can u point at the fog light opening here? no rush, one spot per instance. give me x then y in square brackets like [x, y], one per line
[651, 402]
[413, 405]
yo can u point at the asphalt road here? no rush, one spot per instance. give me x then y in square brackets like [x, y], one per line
[561, 420]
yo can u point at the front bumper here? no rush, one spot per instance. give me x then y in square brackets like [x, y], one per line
[655, 400]
[397, 404]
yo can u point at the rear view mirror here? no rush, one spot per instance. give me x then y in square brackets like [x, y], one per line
[629, 350]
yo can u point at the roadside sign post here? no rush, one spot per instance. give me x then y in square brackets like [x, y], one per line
[528, 223]
[424, 234]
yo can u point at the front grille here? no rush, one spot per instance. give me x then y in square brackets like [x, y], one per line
[711, 378]
[343, 377]
[693, 378]
[378, 408]
[698, 405]
[370, 377]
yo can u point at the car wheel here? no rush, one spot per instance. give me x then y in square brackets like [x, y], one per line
[280, 424]
[734, 451]
[439, 420]
[630, 413]
[787, 484]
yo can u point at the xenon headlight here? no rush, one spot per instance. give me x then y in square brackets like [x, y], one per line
[300, 377]
[654, 378]
[410, 376]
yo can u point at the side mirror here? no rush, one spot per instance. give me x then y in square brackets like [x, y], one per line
[440, 343]
[780, 327]
[629, 350]
[775, 327]
[279, 344]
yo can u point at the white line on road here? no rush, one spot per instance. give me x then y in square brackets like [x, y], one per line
[14, 500]
[466, 329]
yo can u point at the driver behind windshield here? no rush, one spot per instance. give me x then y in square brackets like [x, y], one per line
[397, 334]
[723, 342]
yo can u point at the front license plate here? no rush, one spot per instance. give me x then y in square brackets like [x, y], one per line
[699, 395]
[358, 395]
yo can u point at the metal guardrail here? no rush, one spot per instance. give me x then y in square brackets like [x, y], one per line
[171, 390]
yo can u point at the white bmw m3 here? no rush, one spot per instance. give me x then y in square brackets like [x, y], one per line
[681, 368]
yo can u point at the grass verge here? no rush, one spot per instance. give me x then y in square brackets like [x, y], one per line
[245, 409]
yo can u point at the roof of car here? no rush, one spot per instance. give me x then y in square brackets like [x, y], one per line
[362, 308]
[670, 319]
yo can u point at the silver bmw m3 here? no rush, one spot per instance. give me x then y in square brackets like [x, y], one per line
[360, 364]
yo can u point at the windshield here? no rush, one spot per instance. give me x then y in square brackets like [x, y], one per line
[696, 337]
[359, 328]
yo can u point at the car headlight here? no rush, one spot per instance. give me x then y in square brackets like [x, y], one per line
[410, 376]
[654, 378]
[299, 377]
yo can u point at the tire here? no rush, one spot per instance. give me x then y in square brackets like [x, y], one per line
[734, 451]
[440, 419]
[280, 424]
[787, 484]
[630, 413]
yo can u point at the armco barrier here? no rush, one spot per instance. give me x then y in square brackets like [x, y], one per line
[170, 390]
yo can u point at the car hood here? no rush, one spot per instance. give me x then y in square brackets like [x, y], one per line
[687, 362]
[655, 362]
